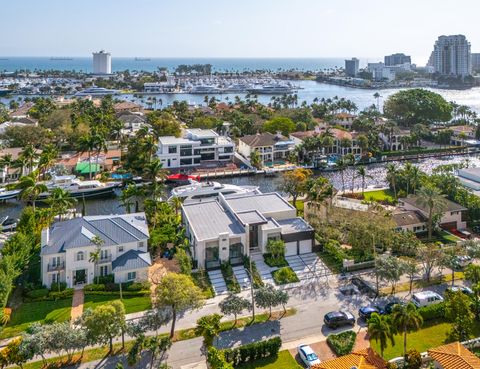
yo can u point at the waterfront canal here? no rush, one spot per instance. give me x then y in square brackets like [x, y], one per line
[376, 177]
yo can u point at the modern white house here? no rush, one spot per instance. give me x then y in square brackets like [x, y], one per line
[66, 249]
[226, 229]
[270, 147]
[454, 217]
[196, 147]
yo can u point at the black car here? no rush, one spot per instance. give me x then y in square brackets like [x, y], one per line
[366, 311]
[336, 319]
[388, 308]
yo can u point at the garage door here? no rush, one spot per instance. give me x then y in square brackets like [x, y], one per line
[305, 246]
[290, 248]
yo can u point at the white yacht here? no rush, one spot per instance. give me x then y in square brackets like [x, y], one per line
[271, 89]
[8, 194]
[79, 188]
[204, 89]
[197, 191]
[97, 91]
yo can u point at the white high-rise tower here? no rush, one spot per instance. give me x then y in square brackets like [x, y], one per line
[102, 63]
[452, 56]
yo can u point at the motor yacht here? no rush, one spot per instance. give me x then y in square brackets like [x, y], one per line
[78, 188]
[8, 194]
[97, 91]
[198, 191]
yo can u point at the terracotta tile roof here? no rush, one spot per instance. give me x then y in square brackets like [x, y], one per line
[465, 129]
[262, 139]
[127, 105]
[344, 115]
[454, 356]
[362, 359]
[340, 135]
[304, 134]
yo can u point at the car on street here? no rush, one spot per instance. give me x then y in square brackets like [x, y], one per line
[466, 290]
[335, 319]
[308, 356]
[366, 311]
[426, 298]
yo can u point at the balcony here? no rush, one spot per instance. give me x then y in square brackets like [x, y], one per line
[106, 259]
[56, 267]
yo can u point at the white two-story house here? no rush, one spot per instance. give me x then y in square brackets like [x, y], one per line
[197, 147]
[227, 228]
[67, 247]
[270, 147]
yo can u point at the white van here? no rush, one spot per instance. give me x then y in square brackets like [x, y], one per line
[426, 298]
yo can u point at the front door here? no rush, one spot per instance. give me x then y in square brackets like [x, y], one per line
[212, 257]
[80, 276]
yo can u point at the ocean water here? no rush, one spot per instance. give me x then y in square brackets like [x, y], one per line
[84, 64]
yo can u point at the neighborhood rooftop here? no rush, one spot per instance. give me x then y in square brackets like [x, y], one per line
[451, 206]
[132, 259]
[264, 203]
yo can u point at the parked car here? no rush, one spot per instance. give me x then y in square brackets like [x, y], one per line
[388, 308]
[349, 289]
[307, 355]
[466, 290]
[426, 298]
[8, 224]
[336, 319]
[462, 261]
[364, 286]
[366, 311]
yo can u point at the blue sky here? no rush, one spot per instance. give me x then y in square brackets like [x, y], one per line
[233, 28]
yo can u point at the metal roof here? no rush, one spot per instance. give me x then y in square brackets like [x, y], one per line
[131, 260]
[263, 203]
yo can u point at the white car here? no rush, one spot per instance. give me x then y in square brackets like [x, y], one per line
[307, 355]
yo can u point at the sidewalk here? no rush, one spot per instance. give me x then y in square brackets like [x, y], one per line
[77, 304]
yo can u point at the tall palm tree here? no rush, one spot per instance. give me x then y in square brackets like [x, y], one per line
[31, 188]
[380, 330]
[95, 255]
[154, 172]
[177, 204]
[60, 201]
[47, 158]
[130, 196]
[362, 173]
[100, 145]
[6, 161]
[341, 166]
[431, 199]
[86, 144]
[405, 319]
[392, 174]
[29, 154]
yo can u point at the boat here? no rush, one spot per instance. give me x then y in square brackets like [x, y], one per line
[5, 91]
[97, 91]
[197, 191]
[8, 224]
[272, 89]
[8, 194]
[78, 188]
[204, 89]
[236, 88]
[181, 179]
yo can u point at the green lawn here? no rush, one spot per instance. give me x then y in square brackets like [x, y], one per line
[39, 311]
[284, 361]
[432, 335]
[133, 304]
[441, 236]
[380, 195]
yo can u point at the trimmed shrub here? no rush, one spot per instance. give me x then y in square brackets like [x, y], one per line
[58, 287]
[284, 275]
[94, 287]
[257, 278]
[137, 286]
[38, 294]
[278, 261]
[66, 293]
[332, 248]
[230, 280]
[104, 279]
[342, 343]
[432, 312]
[253, 351]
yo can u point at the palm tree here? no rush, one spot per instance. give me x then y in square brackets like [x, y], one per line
[377, 96]
[392, 174]
[6, 161]
[130, 196]
[342, 165]
[86, 143]
[29, 153]
[95, 255]
[154, 172]
[380, 330]
[362, 173]
[47, 158]
[176, 203]
[431, 199]
[60, 201]
[255, 160]
[406, 318]
[31, 188]
[100, 144]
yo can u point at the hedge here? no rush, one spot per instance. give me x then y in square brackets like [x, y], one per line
[275, 262]
[115, 287]
[253, 351]
[432, 312]
[116, 293]
[230, 280]
[43, 294]
[284, 275]
[342, 343]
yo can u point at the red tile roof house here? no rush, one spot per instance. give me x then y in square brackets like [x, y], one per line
[108, 161]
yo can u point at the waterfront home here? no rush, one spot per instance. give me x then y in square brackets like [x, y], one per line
[270, 147]
[226, 229]
[344, 120]
[78, 162]
[67, 246]
[454, 217]
[196, 148]
[453, 356]
[410, 220]
[132, 122]
[395, 140]
[127, 107]
[22, 111]
[10, 173]
[463, 135]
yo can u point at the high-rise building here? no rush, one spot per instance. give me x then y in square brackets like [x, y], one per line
[397, 59]
[351, 67]
[102, 63]
[476, 61]
[452, 56]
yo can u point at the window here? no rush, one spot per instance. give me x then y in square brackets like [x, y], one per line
[103, 270]
[196, 160]
[141, 244]
[80, 256]
[131, 276]
[208, 156]
[55, 277]
[120, 248]
[172, 149]
[56, 261]
[186, 161]
[186, 150]
[103, 254]
[228, 149]
[197, 152]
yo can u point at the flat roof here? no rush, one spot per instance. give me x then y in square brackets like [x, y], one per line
[294, 225]
[251, 217]
[170, 140]
[264, 203]
[202, 132]
[208, 219]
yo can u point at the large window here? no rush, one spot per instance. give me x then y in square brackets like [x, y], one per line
[80, 256]
[186, 150]
[207, 141]
[228, 149]
[172, 149]
[186, 161]
[131, 276]
[208, 156]
[103, 270]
